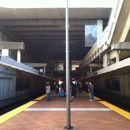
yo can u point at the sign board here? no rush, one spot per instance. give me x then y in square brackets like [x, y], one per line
[90, 35]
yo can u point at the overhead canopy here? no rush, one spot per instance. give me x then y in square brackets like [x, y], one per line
[43, 29]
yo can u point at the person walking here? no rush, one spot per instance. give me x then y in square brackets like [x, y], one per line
[91, 91]
[48, 91]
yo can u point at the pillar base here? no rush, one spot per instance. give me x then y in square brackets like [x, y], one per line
[68, 127]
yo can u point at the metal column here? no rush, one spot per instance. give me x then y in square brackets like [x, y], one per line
[68, 116]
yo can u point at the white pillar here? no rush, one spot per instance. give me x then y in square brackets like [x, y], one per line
[18, 56]
[106, 59]
[99, 31]
[5, 52]
[41, 71]
[117, 56]
[0, 37]
[44, 70]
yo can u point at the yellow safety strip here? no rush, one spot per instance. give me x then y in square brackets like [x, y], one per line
[84, 92]
[117, 109]
[41, 97]
[114, 108]
[16, 111]
[97, 99]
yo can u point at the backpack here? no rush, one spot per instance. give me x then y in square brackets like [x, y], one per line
[62, 94]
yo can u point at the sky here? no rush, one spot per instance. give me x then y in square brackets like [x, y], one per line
[55, 3]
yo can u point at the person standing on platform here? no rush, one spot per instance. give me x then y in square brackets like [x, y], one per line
[57, 88]
[70, 92]
[48, 91]
[80, 87]
[91, 91]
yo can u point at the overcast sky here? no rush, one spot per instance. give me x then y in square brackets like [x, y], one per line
[55, 3]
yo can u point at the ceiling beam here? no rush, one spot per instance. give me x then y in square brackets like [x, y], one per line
[51, 37]
[44, 28]
[12, 45]
[95, 65]
[41, 33]
[16, 22]
[36, 64]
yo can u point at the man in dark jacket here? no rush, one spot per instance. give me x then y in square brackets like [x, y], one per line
[91, 90]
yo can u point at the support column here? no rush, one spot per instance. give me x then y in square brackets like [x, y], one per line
[5, 52]
[18, 56]
[41, 71]
[99, 32]
[0, 41]
[68, 113]
[117, 56]
[106, 59]
[90, 70]
[0, 37]
[44, 70]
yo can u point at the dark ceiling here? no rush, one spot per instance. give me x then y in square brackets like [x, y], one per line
[43, 30]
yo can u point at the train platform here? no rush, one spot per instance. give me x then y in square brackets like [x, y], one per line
[40, 114]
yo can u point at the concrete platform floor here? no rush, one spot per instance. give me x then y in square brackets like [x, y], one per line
[51, 115]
